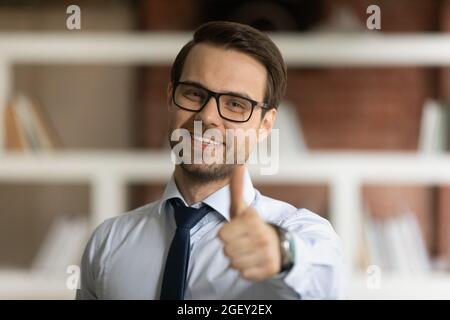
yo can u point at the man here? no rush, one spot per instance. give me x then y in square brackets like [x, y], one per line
[212, 235]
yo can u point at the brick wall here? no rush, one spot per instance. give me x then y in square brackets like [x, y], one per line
[360, 108]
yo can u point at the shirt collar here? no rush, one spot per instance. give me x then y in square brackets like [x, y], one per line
[219, 200]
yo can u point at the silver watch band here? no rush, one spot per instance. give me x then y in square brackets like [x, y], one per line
[287, 249]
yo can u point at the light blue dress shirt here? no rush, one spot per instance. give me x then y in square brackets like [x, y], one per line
[125, 257]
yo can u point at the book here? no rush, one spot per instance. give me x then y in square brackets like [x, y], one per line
[397, 245]
[443, 227]
[291, 137]
[3, 106]
[14, 136]
[414, 244]
[63, 245]
[45, 133]
[22, 109]
[27, 128]
[433, 135]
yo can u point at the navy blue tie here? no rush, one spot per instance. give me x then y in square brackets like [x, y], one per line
[174, 279]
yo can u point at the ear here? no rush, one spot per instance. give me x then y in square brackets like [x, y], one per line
[267, 123]
[169, 94]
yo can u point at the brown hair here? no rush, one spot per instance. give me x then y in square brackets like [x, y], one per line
[243, 38]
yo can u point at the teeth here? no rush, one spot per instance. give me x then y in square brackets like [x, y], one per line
[206, 141]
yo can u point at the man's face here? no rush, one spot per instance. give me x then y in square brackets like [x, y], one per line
[221, 70]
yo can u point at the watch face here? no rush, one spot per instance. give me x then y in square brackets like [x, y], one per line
[287, 251]
[285, 245]
[286, 248]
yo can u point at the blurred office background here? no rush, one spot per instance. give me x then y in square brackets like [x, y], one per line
[100, 144]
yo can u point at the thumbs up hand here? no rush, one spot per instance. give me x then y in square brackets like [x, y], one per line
[252, 245]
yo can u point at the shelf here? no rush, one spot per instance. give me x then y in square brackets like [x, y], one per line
[432, 286]
[368, 167]
[159, 48]
[109, 174]
[27, 285]
[22, 284]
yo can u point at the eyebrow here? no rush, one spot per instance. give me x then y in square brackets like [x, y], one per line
[240, 94]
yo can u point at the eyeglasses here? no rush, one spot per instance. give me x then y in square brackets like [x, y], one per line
[232, 107]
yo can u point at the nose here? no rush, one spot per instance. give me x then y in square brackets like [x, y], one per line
[209, 115]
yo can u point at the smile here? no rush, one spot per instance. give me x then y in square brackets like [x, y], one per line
[206, 140]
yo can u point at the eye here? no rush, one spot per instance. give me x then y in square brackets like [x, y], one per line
[236, 105]
[194, 94]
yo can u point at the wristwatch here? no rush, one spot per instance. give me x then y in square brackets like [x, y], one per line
[287, 248]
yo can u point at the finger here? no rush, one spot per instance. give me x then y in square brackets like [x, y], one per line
[232, 231]
[240, 246]
[247, 261]
[237, 204]
[257, 273]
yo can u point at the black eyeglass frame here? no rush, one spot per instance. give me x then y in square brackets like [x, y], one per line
[217, 95]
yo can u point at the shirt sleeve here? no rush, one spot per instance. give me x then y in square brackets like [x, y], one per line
[318, 271]
[91, 266]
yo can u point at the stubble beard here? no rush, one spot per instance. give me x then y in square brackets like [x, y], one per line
[204, 173]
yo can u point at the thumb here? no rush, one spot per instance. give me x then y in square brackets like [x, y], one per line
[237, 204]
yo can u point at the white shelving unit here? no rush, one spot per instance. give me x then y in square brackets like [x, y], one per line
[395, 286]
[109, 173]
